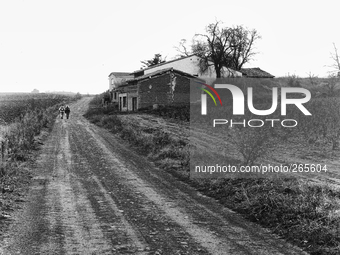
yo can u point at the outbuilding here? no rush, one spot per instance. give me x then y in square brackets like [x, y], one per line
[161, 88]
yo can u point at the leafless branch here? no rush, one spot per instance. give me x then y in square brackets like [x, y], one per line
[182, 48]
[336, 61]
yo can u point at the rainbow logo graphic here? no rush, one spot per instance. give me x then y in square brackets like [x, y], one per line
[204, 97]
[213, 90]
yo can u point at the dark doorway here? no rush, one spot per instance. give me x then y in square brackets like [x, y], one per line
[134, 104]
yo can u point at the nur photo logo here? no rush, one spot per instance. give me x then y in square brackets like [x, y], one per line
[238, 104]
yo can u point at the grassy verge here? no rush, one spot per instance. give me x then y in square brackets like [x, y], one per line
[157, 144]
[304, 213]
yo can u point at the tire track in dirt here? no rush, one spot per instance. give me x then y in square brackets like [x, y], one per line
[201, 236]
[151, 224]
[80, 228]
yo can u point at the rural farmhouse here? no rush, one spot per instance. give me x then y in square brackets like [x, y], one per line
[190, 65]
[167, 83]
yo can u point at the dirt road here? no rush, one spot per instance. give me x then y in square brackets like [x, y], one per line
[91, 194]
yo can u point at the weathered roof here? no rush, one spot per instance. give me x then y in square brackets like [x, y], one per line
[159, 72]
[117, 74]
[255, 72]
[163, 63]
[156, 73]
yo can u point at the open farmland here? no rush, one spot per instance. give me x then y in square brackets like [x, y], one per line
[22, 117]
[14, 105]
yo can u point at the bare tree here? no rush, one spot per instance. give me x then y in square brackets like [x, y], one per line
[336, 60]
[224, 47]
[214, 48]
[242, 41]
[332, 83]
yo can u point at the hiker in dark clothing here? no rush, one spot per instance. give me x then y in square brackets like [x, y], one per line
[67, 111]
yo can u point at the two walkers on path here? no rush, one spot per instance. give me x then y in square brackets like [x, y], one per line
[64, 109]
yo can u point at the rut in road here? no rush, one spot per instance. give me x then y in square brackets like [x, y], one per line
[93, 195]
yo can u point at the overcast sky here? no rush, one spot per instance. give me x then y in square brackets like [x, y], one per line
[73, 45]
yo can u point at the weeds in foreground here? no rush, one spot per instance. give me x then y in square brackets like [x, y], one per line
[19, 136]
[304, 213]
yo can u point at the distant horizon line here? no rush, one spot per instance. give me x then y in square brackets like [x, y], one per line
[52, 92]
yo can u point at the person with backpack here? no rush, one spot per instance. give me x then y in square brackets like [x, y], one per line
[67, 111]
[61, 111]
